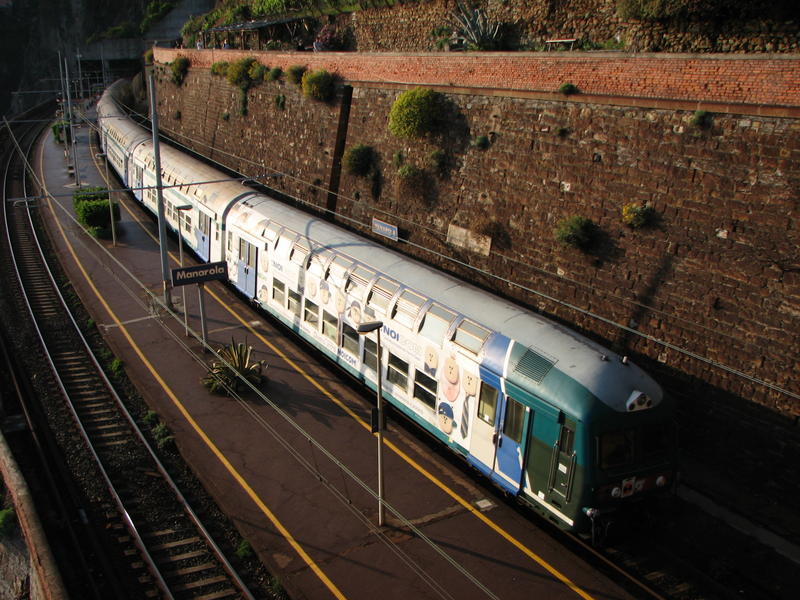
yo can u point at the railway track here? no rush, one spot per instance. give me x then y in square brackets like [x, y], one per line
[150, 529]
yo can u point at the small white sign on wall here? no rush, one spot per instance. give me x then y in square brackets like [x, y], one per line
[469, 240]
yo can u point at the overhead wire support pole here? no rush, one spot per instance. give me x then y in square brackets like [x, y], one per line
[72, 141]
[162, 224]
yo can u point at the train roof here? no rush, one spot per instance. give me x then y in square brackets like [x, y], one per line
[119, 125]
[599, 370]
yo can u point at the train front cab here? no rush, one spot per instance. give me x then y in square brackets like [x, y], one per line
[634, 457]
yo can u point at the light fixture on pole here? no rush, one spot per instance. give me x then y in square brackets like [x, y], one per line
[180, 209]
[364, 329]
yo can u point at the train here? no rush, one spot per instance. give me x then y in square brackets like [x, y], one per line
[568, 427]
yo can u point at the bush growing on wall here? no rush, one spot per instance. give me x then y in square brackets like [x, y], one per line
[294, 74]
[273, 74]
[220, 68]
[359, 160]
[318, 85]
[179, 66]
[577, 231]
[416, 113]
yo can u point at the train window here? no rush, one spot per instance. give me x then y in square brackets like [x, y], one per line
[566, 437]
[382, 293]
[330, 325]
[299, 253]
[337, 271]
[470, 336]
[294, 302]
[278, 292]
[397, 371]
[216, 232]
[425, 388]
[657, 439]
[358, 281]
[370, 354]
[487, 404]
[349, 339]
[312, 313]
[514, 420]
[187, 220]
[205, 223]
[616, 449]
[436, 322]
[407, 308]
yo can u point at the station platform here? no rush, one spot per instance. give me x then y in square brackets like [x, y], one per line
[295, 469]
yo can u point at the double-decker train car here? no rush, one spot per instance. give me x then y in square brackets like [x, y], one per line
[567, 426]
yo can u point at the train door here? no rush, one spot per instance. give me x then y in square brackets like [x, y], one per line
[203, 236]
[562, 462]
[246, 264]
[498, 435]
[510, 444]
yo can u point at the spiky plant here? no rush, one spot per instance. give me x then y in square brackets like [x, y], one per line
[235, 365]
[475, 27]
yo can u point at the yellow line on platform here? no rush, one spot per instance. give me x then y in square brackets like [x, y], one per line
[176, 401]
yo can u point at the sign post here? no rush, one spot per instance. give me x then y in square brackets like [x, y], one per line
[199, 274]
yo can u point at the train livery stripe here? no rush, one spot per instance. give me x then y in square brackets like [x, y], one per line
[176, 401]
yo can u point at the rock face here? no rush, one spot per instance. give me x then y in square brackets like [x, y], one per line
[716, 274]
[412, 27]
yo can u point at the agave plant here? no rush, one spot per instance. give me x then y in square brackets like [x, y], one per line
[475, 27]
[228, 374]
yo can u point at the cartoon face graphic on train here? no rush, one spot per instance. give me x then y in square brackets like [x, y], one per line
[431, 361]
[450, 377]
[354, 313]
[311, 288]
[324, 293]
[445, 417]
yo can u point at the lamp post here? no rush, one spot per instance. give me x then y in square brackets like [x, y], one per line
[104, 155]
[182, 208]
[364, 329]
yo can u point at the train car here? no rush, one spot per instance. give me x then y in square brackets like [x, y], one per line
[570, 428]
[120, 135]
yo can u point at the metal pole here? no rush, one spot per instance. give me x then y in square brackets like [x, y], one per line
[110, 201]
[162, 227]
[79, 56]
[380, 435]
[200, 290]
[72, 140]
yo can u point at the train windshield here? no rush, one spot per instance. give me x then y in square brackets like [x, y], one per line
[635, 447]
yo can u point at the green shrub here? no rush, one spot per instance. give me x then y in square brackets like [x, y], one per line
[268, 7]
[482, 142]
[244, 549]
[568, 89]
[280, 101]
[155, 12]
[318, 85]
[225, 376]
[576, 231]
[179, 66]
[294, 74]
[238, 73]
[94, 215]
[274, 74]
[702, 119]
[359, 160]
[226, 116]
[162, 434]
[416, 113]
[8, 519]
[148, 56]
[220, 68]
[637, 215]
[115, 367]
[150, 417]
[398, 159]
[653, 10]
[413, 182]
[61, 131]
[439, 161]
[257, 72]
[88, 193]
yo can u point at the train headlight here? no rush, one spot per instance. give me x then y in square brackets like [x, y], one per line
[661, 481]
[616, 492]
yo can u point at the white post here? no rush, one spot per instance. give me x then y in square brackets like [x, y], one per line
[181, 209]
[380, 435]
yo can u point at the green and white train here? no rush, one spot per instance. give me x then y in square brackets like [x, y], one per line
[570, 428]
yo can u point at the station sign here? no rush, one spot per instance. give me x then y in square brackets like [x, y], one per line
[200, 273]
[385, 229]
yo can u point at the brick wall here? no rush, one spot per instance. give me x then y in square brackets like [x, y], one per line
[718, 276]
